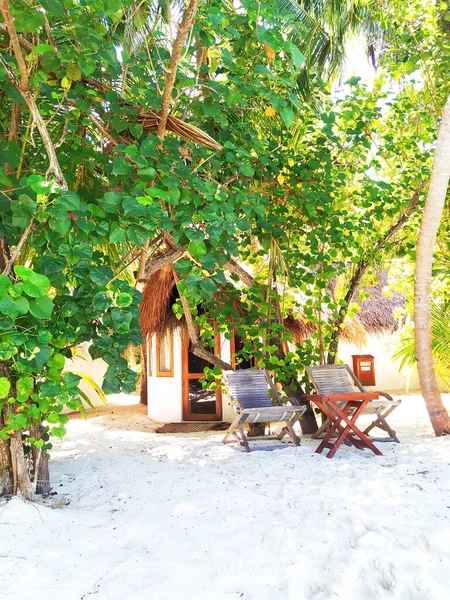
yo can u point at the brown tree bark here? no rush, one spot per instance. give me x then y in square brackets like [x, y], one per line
[6, 478]
[40, 464]
[432, 214]
[20, 475]
[186, 23]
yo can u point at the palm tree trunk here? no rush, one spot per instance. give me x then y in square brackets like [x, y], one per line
[431, 219]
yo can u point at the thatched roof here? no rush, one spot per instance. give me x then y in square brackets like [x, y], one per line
[160, 294]
[377, 313]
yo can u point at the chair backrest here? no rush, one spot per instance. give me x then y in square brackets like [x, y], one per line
[249, 387]
[333, 379]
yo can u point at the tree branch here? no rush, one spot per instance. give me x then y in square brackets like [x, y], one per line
[24, 44]
[196, 346]
[18, 248]
[186, 23]
[155, 264]
[23, 87]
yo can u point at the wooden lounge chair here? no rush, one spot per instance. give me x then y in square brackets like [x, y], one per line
[249, 393]
[340, 379]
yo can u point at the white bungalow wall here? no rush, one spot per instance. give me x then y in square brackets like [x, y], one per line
[164, 394]
[387, 374]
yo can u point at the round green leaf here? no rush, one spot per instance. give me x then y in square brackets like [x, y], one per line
[5, 284]
[124, 300]
[37, 285]
[4, 387]
[41, 308]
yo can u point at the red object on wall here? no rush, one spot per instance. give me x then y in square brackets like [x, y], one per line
[364, 368]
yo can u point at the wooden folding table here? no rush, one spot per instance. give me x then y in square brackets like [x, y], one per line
[343, 410]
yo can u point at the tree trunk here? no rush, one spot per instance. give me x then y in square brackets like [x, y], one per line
[431, 218]
[21, 478]
[6, 478]
[40, 464]
[308, 422]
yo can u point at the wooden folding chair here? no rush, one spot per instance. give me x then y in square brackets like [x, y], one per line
[340, 379]
[249, 393]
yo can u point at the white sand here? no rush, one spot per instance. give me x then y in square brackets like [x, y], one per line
[183, 517]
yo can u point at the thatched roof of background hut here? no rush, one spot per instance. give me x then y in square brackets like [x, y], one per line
[377, 313]
[160, 294]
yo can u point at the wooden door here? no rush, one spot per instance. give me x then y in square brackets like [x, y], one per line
[198, 404]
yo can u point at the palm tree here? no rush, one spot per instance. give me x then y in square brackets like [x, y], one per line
[434, 206]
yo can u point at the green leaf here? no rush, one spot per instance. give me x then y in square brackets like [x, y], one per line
[37, 358]
[287, 115]
[136, 129]
[52, 418]
[5, 285]
[40, 185]
[54, 7]
[58, 432]
[21, 305]
[121, 320]
[23, 210]
[137, 235]
[211, 108]
[41, 308]
[154, 193]
[69, 200]
[4, 387]
[208, 287]
[37, 285]
[61, 226]
[13, 307]
[7, 350]
[101, 301]
[147, 174]
[119, 124]
[23, 272]
[183, 266]
[132, 207]
[57, 361]
[24, 387]
[111, 202]
[124, 300]
[100, 275]
[111, 6]
[121, 166]
[297, 57]
[73, 72]
[197, 249]
[117, 234]
[50, 389]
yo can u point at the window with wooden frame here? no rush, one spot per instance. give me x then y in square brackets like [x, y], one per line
[164, 356]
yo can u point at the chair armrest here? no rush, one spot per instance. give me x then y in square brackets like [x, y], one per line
[386, 395]
[291, 399]
[344, 397]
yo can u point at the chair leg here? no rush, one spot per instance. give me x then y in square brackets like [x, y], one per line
[290, 426]
[244, 441]
[380, 421]
[231, 429]
[322, 429]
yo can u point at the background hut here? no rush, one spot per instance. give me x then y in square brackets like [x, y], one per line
[172, 389]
